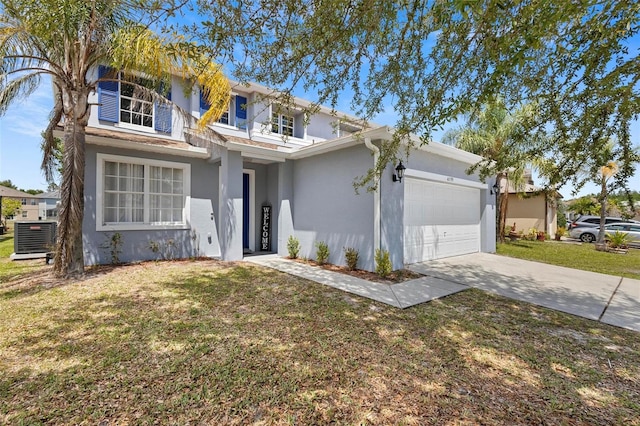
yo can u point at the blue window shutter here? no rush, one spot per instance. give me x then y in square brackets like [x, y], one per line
[241, 107]
[108, 97]
[163, 116]
[204, 105]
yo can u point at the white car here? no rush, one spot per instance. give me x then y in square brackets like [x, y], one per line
[590, 234]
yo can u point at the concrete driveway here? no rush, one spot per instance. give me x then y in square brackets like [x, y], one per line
[606, 298]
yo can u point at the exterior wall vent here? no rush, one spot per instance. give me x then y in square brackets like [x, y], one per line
[34, 237]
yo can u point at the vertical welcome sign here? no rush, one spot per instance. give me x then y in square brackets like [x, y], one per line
[265, 229]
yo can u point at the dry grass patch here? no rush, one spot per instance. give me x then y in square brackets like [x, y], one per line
[214, 343]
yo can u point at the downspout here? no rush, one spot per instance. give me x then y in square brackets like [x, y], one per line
[376, 196]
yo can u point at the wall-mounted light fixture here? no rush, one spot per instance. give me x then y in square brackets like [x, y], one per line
[495, 189]
[399, 174]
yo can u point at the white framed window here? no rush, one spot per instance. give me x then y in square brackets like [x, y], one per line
[282, 124]
[224, 118]
[23, 201]
[138, 193]
[25, 213]
[134, 111]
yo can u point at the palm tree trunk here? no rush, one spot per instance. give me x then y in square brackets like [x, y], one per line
[69, 259]
[603, 213]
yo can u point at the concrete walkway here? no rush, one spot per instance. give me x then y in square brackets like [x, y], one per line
[606, 298]
[400, 295]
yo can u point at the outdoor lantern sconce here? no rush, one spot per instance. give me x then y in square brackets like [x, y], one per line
[399, 174]
[496, 189]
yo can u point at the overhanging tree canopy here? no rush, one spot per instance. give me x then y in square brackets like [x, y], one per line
[435, 60]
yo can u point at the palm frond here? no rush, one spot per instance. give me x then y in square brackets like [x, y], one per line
[50, 144]
[16, 88]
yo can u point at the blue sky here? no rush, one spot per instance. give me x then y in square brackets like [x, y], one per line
[20, 128]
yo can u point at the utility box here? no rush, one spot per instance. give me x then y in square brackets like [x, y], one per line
[34, 237]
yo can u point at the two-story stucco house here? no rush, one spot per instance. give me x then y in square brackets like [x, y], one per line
[149, 178]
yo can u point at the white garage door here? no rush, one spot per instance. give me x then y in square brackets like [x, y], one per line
[440, 220]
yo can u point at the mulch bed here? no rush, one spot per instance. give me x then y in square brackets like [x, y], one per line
[395, 277]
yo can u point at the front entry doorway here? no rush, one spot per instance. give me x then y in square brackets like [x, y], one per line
[248, 211]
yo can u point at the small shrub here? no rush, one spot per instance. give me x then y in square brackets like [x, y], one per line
[322, 252]
[114, 244]
[383, 263]
[293, 247]
[163, 250]
[618, 239]
[351, 255]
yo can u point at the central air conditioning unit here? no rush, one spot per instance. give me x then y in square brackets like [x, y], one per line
[34, 237]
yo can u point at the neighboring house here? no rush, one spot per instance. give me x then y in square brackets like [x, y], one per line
[48, 205]
[531, 207]
[151, 178]
[29, 203]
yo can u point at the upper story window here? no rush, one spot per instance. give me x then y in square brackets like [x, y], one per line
[282, 124]
[136, 193]
[23, 201]
[236, 114]
[119, 103]
[224, 118]
[135, 111]
[34, 202]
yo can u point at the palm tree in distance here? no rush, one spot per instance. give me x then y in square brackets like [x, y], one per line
[500, 137]
[67, 40]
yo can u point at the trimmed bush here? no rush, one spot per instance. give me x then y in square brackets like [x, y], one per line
[351, 256]
[293, 247]
[383, 263]
[322, 252]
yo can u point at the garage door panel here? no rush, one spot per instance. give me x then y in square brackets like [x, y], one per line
[440, 220]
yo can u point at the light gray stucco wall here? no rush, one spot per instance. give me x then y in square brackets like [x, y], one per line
[230, 208]
[201, 239]
[285, 208]
[327, 207]
[392, 217]
[320, 126]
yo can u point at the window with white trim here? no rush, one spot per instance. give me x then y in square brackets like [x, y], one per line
[138, 193]
[282, 123]
[25, 213]
[224, 118]
[134, 110]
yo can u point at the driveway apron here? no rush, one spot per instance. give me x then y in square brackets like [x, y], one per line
[610, 299]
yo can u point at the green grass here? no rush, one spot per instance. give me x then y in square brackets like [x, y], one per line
[206, 342]
[579, 256]
[10, 269]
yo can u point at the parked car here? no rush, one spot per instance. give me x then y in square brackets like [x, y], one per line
[586, 221]
[589, 234]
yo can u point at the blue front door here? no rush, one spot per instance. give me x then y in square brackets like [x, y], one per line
[245, 210]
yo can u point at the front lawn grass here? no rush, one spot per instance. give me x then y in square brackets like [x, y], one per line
[582, 256]
[206, 342]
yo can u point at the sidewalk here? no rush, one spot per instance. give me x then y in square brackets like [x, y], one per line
[402, 295]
